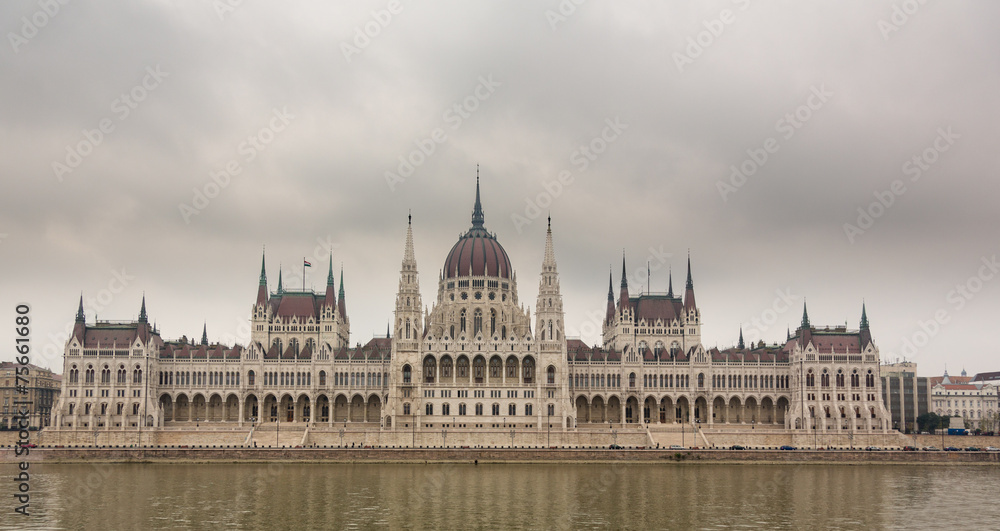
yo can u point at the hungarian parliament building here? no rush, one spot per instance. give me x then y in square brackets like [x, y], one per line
[475, 360]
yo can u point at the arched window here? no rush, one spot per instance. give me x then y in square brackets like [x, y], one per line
[512, 367]
[407, 327]
[407, 373]
[528, 370]
[430, 369]
[477, 322]
[631, 379]
[462, 367]
[551, 375]
[479, 409]
[461, 320]
[512, 409]
[429, 409]
[551, 336]
[493, 322]
[406, 409]
[701, 380]
[479, 369]
[446, 366]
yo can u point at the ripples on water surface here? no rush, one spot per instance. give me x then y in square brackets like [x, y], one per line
[522, 496]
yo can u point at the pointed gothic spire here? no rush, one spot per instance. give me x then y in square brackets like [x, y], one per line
[280, 288]
[387, 329]
[329, 300]
[549, 262]
[409, 258]
[142, 311]
[624, 284]
[477, 210]
[805, 315]
[788, 334]
[262, 288]
[670, 283]
[341, 301]
[864, 317]
[80, 317]
[611, 293]
[263, 271]
[741, 345]
[204, 334]
[689, 303]
[689, 284]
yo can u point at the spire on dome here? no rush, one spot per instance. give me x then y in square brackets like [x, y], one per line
[740, 345]
[142, 311]
[477, 210]
[80, 317]
[204, 334]
[805, 315]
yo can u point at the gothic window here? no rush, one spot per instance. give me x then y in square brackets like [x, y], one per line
[493, 322]
[430, 368]
[121, 375]
[479, 368]
[529, 370]
[552, 409]
[462, 367]
[495, 365]
[446, 409]
[551, 375]
[496, 409]
[461, 409]
[477, 322]
[479, 409]
[461, 320]
[407, 325]
[407, 373]
[512, 409]
[512, 367]
[810, 379]
[429, 409]
[105, 375]
[631, 379]
[446, 366]
[406, 409]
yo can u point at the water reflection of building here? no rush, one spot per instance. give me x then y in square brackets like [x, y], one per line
[474, 360]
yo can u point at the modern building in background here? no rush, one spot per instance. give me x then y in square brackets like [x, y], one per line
[42, 393]
[906, 395]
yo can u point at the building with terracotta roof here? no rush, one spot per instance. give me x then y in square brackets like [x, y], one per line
[968, 398]
[476, 359]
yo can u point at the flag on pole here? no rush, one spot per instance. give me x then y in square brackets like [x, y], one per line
[305, 263]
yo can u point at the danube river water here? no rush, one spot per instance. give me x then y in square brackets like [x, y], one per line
[505, 496]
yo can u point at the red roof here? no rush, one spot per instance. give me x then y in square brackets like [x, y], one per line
[477, 253]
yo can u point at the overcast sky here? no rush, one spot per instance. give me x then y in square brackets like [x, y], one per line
[640, 111]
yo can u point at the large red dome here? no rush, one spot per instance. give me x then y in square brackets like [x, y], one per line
[477, 252]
